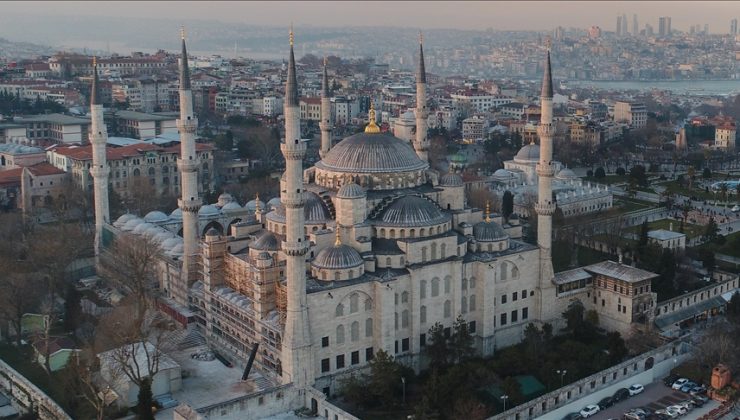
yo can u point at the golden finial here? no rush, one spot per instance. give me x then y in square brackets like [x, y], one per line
[291, 34]
[257, 203]
[338, 237]
[95, 61]
[182, 32]
[488, 211]
[326, 60]
[371, 127]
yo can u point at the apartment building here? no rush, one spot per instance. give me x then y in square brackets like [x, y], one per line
[633, 114]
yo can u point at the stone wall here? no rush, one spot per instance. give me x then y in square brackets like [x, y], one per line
[27, 397]
[644, 368]
[724, 283]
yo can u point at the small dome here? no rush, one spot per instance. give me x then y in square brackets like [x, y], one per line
[131, 224]
[123, 219]
[266, 242]
[252, 205]
[274, 202]
[167, 244]
[225, 199]
[212, 232]
[208, 210]
[156, 217]
[153, 231]
[489, 232]
[176, 214]
[529, 153]
[566, 174]
[502, 174]
[412, 210]
[338, 257]
[351, 190]
[264, 255]
[231, 206]
[163, 236]
[142, 227]
[451, 180]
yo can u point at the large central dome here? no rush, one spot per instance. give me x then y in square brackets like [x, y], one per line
[372, 153]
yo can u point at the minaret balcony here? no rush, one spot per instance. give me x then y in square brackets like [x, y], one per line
[546, 171]
[292, 200]
[546, 130]
[99, 173]
[295, 249]
[188, 165]
[545, 209]
[191, 205]
[188, 126]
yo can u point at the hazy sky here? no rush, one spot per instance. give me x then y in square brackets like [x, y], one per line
[538, 15]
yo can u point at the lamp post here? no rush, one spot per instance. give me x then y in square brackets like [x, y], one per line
[562, 375]
[504, 398]
[403, 384]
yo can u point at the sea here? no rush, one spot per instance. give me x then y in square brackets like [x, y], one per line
[682, 87]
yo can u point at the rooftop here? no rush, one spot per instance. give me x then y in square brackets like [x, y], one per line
[143, 116]
[620, 271]
[53, 119]
[665, 235]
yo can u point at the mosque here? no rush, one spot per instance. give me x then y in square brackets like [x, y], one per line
[362, 252]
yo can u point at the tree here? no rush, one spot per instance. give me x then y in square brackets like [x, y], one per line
[574, 316]
[436, 347]
[385, 378]
[707, 173]
[461, 342]
[616, 347]
[507, 204]
[146, 402]
[533, 341]
[72, 308]
[20, 293]
[639, 174]
[512, 389]
[711, 230]
[600, 173]
[468, 408]
[354, 390]
[706, 256]
[620, 171]
[691, 173]
[733, 308]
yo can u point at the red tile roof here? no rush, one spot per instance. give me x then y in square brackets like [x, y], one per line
[45, 169]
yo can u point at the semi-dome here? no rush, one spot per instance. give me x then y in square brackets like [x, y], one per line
[566, 174]
[123, 219]
[266, 242]
[338, 257]
[314, 210]
[252, 205]
[156, 217]
[212, 232]
[131, 224]
[208, 210]
[351, 190]
[231, 206]
[488, 231]
[412, 210]
[451, 180]
[371, 153]
[529, 153]
[274, 202]
[176, 214]
[142, 227]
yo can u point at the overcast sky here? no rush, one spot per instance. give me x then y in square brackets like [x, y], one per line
[537, 15]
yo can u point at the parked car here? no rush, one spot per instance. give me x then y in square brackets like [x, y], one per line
[700, 400]
[698, 390]
[621, 395]
[668, 412]
[589, 410]
[687, 404]
[670, 379]
[679, 383]
[635, 389]
[573, 416]
[688, 386]
[677, 408]
[630, 415]
[606, 403]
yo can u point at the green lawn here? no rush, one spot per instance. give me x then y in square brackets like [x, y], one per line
[731, 246]
[632, 204]
[689, 229]
[608, 180]
[674, 187]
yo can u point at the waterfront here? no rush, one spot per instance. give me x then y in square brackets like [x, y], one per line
[684, 87]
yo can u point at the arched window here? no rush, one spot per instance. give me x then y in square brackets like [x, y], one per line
[444, 250]
[463, 305]
[423, 254]
[423, 289]
[137, 172]
[465, 284]
[434, 250]
[151, 171]
[471, 282]
[472, 303]
[447, 284]
[340, 310]
[368, 304]
[393, 233]
[387, 261]
[504, 271]
[404, 297]
[369, 327]
[405, 319]
[355, 331]
[423, 314]
[412, 233]
[435, 287]
[340, 334]
[353, 300]
[336, 276]
[514, 272]
[448, 309]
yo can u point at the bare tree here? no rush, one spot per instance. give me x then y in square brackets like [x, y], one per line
[19, 294]
[478, 198]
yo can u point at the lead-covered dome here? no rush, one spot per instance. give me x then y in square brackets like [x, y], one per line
[529, 153]
[266, 242]
[351, 190]
[156, 217]
[123, 219]
[488, 231]
[231, 206]
[451, 180]
[566, 175]
[412, 210]
[314, 210]
[338, 257]
[371, 153]
[208, 210]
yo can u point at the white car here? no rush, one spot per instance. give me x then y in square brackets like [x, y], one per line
[590, 410]
[635, 389]
[679, 383]
[677, 408]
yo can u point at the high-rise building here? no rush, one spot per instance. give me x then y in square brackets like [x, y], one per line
[648, 29]
[619, 26]
[706, 29]
[733, 27]
[664, 26]
[625, 29]
[635, 27]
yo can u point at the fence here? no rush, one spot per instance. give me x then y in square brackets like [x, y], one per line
[28, 397]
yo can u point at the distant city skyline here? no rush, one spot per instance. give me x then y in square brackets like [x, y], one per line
[478, 15]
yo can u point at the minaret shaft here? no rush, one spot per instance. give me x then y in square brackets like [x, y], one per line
[99, 170]
[545, 206]
[325, 125]
[421, 143]
[189, 201]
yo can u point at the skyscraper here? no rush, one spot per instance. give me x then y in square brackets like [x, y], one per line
[625, 30]
[733, 27]
[619, 26]
[664, 26]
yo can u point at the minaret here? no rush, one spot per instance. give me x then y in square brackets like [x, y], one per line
[421, 144]
[325, 123]
[545, 206]
[99, 169]
[188, 165]
[296, 355]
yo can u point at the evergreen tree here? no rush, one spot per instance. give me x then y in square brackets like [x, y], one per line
[711, 230]
[72, 308]
[436, 348]
[461, 342]
[146, 401]
[507, 204]
[600, 173]
[385, 378]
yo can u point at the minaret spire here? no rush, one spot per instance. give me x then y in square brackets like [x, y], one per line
[189, 201]
[547, 77]
[325, 124]
[421, 143]
[99, 169]
[296, 352]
